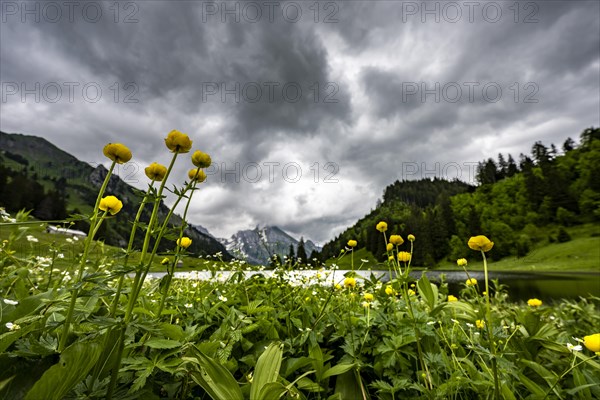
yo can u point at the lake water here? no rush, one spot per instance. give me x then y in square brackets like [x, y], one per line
[546, 286]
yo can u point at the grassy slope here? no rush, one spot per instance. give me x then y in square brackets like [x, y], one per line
[582, 253]
[71, 250]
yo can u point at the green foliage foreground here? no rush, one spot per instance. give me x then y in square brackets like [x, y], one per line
[98, 329]
[269, 338]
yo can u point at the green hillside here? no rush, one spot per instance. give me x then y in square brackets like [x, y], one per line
[541, 213]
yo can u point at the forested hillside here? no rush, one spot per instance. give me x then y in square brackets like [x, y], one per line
[513, 204]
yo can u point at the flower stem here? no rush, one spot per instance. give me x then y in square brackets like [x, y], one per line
[489, 329]
[86, 248]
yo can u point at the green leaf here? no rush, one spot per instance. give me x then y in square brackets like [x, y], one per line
[348, 387]
[162, 343]
[272, 391]
[215, 379]
[337, 370]
[74, 364]
[427, 291]
[267, 368]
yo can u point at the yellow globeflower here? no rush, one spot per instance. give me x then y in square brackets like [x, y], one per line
[592, 342]
[117, 152]
[200, 159]
[350, 282]
[411, 292]
[178, 142]
[156, 172]
[534, 302]
[471, 282]
[480, 243]
[111, 204]
[396, 240]
[197, 175]
[389, 290]
[461, 262]
[381, 227]
[352, 243]
[451, 298]
[411, 238]
[368, 297]
[184, 242]
[404, 256]
[389, 247]
[480, 323]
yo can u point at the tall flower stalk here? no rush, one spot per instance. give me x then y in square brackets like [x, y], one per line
[483, 244]
[119, 154]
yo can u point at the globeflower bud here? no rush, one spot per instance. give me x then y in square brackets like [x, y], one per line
[481, 243]
[178, 142]
[350, 282]
[381, 226]
[110, 204]
[534, 302]
[396, 240]
[197, 175]
[352, 243]
[592, 342]
[389, 247]
[156, 172]
[117, 152]
[404, 256]
[411, 238]
[461, 262]
[184, 242]
[200, 159]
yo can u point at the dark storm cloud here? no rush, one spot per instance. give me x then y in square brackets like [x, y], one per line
[364, 59]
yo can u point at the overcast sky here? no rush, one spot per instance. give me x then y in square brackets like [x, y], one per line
[309, 109]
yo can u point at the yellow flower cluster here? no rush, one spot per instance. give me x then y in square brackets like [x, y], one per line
[480, 324]
[389, 290]
[471, 282]
[451, 298]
